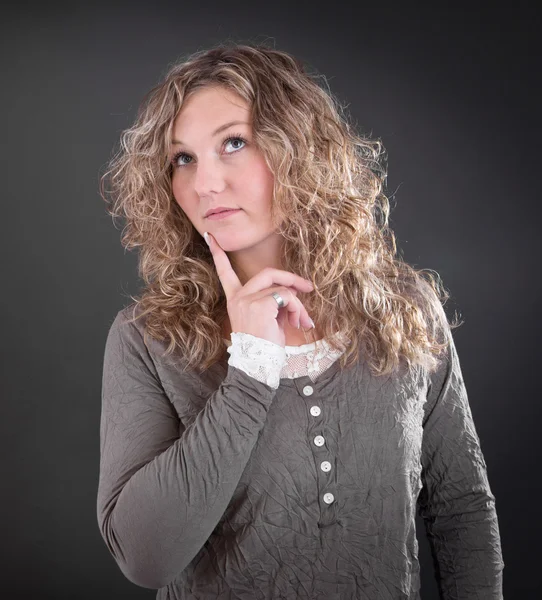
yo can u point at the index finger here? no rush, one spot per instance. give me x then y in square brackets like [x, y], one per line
[226, 274]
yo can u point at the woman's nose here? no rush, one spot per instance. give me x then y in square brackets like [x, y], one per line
[209, 177]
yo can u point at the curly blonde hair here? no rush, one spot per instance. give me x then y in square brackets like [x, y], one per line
[328, 180]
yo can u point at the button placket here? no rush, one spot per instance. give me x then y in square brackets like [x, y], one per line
[319, 441]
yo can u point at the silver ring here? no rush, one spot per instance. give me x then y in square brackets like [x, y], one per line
[279, 299]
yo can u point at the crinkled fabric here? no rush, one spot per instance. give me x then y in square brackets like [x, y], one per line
[219, 486]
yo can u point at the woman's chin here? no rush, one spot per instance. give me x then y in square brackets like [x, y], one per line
[228, 241]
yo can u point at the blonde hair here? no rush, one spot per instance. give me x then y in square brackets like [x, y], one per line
[328, 180]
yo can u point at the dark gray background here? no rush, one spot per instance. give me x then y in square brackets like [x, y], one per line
[455, 98]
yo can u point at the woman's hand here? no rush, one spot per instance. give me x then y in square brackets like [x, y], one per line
[251, 307]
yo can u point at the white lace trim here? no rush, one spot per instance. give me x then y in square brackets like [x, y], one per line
[268, 362]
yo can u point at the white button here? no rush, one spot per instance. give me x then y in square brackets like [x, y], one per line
[328, 498]
[319, 440]
[326, 466]
[307, 390]
[315, 411]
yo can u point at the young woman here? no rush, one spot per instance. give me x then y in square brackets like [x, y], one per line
[285, 393]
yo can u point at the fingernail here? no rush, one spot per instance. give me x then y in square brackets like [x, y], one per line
[312, 323]
[206, 237]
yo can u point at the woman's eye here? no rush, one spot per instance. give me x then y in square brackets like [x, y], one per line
[230, 140]
[235, 139]
[178, 158]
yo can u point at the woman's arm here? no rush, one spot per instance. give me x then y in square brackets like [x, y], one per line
[456, 502]
[160, 495]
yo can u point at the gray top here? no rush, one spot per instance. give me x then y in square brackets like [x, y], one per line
[219, 486]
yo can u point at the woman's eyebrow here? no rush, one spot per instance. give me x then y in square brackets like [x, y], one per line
[219, 129]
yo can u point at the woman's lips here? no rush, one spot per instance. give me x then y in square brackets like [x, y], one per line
[223, 215]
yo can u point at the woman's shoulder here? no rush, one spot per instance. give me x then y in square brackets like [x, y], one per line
[131, 314]
[127, 326]
[123, 323]
[130, 327]
[425, 296]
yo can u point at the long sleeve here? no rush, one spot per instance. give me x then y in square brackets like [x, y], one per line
[456, 502]
[163, 488]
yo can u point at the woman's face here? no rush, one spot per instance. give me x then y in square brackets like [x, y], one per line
[211, 171]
